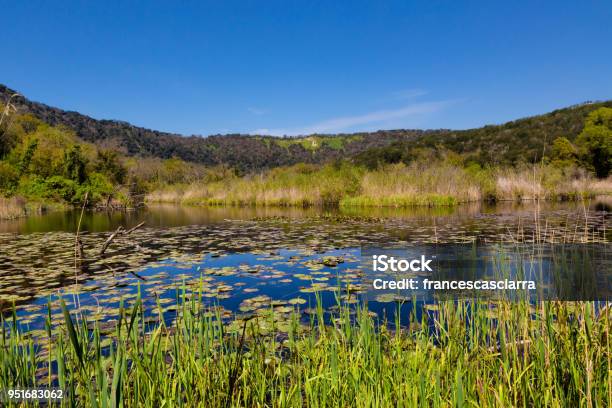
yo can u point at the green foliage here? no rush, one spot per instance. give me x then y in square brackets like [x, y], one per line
[51, 163]
[595, 142]
[9, 177]
[97, 185]
[563, 153]
[173, 170]
[109, 164]
[74, 165]
[563, 149]
[509, 144]
[28, 153]
[59, 188]
[316, 142]
[6, 138]
[379, 156]
[484, 177]
[54, 188]
[400, 201]
[465, 353]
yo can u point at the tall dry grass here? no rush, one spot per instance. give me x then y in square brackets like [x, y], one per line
[13, 207]
[300, 185]
[437, 183]
[399, 185]
[547, 183]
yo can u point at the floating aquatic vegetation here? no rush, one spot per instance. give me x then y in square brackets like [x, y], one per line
[228, 261]
[250, 290]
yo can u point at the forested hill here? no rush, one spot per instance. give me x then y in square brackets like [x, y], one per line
[241, 151]
[508, 143]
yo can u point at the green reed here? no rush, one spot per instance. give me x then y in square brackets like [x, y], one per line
[476, 353]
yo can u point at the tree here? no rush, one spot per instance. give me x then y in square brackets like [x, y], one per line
[74, 165]
[108, 164]
[26, 158]
[9, 177]
[564, 153]
[595, 142]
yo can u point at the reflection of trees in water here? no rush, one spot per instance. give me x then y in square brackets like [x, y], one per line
[169, 215]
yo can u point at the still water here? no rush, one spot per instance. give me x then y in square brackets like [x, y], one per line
[245, 260]
[168, 216]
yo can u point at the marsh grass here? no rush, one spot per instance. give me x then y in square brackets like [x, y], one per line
[439, 183]
[17, 207]
[457, 353]
[12, 208]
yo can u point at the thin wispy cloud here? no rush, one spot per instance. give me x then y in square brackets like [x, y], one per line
[408, 94]
[344, 123]
[256, 111]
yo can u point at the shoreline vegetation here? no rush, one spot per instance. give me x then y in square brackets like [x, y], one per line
[437, 184]
[18, 207]
[396, 185]
[44, 166]
[497, 353]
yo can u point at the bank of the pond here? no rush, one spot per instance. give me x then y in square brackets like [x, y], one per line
[440, 184]
[18, 207]
[454, 354]
[400, 185]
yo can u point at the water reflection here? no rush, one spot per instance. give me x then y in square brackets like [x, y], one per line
[167, 216]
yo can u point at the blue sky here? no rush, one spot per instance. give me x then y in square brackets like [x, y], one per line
[284, 67]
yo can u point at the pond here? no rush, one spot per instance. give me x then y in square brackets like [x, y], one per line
[243, 260]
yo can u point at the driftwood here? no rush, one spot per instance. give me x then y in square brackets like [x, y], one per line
[134, 228]
[118, 231]
[82, 262]
[110, 239]
[79, 243]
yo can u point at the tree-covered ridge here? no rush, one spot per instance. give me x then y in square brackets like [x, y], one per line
[51, 162]
[524, 140]
[244, 152]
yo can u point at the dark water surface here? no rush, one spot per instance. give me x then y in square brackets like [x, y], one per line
[247, 259]
[166, 216]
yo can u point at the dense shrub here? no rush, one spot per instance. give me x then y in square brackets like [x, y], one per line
[9, 177]
[109, 164]
[97, 185]
[595, 141]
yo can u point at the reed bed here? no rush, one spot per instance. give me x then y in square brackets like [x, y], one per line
[548, 183]
[397, 185]
[460, 354]
[17, 207]
[12, 208]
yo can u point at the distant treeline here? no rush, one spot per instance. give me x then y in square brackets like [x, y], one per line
[578, 136]
[520, 141]
[49, 155]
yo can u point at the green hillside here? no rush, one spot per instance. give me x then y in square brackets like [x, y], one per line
[523, 140]
[49, 155]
